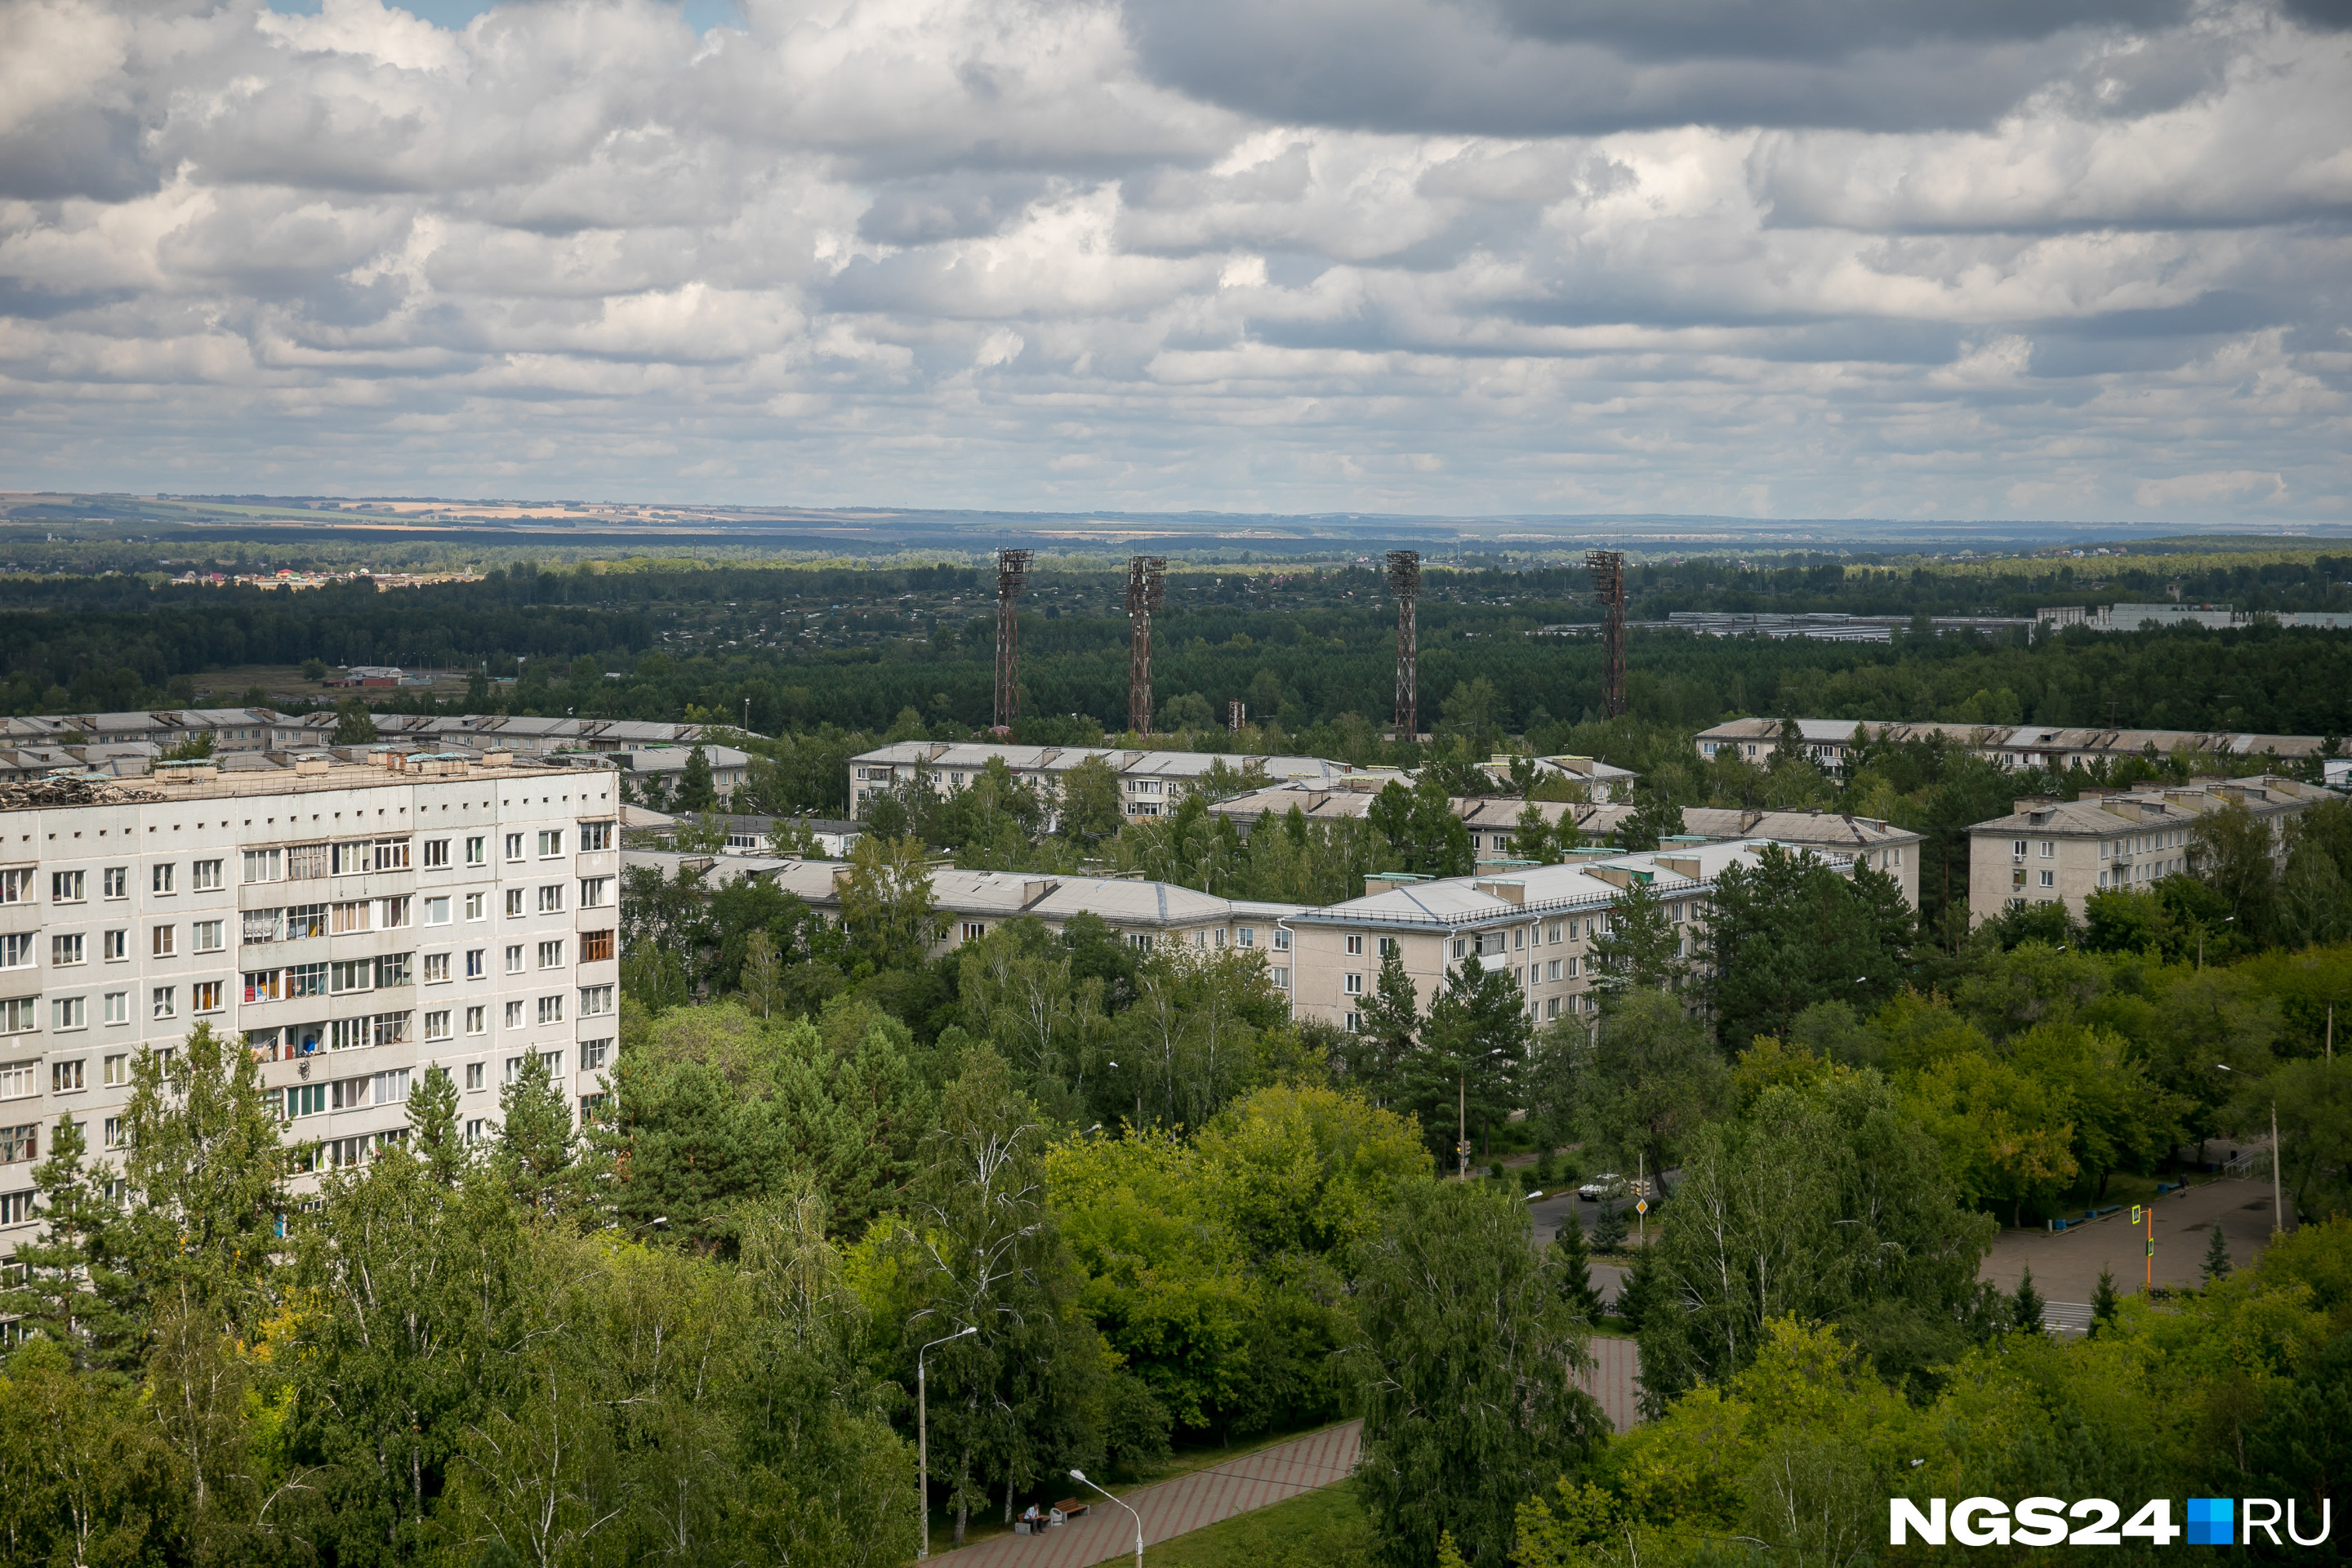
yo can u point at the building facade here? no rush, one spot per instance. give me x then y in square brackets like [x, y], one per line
[2049, 851]
[1151, 783]
[351, 923]
[1827, 741]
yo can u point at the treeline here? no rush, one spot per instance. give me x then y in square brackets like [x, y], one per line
[1310, 654]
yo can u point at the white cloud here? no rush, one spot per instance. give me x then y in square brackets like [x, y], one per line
[2081, 258]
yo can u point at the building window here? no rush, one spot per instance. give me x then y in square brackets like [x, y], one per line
[514, 845]
[477, 906]
[308, 862]
[1282, 939]
[118, 1071]
[1460, 947]
[167, 1002]
[16, 950]
[1281, 978]
[118, 1007]
[66, 887]
[974, 930]
[347, 919]
[514, 1016]
[1355, 943]
[477, 1022]
[550, 1009]
[19, 1144]
[437, 968]
[1353, 984]
[436, 853]
[550, 899]
[262, 865]
[206, 996]
[477, 963]
[514, 903]
[2049, 879]
[551, 843]
[1245, 937]
[162, 877]
[514, 958]
[475, 1073]
[66, 1077]
[396, 912]
[1353, 1023]
[161, 941]
[593, 1055]
[550, 954]
[595, 836]
[436, 1025]
[476, 851]
[207, 876]
[208, 935]
[306, 980]
[596, 947]
[115, 1136]
[596, 892]
[595, 1000]
[436, 911]
[2049, 848]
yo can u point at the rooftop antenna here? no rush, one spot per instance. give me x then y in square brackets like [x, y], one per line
[1147, 590]
[1608, 569]
[1011, 576]
[1405, 581]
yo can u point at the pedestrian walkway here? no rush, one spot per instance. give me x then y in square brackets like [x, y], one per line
[1174, 1508]
[2066, 1264]
[1616, 1366]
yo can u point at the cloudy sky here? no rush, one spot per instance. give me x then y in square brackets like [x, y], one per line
[2054, 258]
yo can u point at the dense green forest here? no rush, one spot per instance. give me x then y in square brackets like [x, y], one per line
[1305, 649]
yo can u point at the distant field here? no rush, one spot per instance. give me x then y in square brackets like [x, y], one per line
[285, 680]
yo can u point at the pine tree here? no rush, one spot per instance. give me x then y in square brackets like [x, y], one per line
[1609, 1227]
[69, 1290]
[695, 790]
[354, 725]
[2026, 1307]
[1473, 1048]
[2103, 1302]
[535, 1142]
[2217, 1256]
[432, 1125]
[1639, 950]
[1573, 1261]
[1388, 1023]
[1532, 839]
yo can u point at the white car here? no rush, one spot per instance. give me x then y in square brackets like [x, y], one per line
[1610, 1185]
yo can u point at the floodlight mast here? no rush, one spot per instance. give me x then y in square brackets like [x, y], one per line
[1405, 581]
[1147, 590]
[1012, 577]
[1608, 570]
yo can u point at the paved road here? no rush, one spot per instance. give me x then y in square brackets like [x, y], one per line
[1173, 1507]
[2067, 1265]
[1548, 1214]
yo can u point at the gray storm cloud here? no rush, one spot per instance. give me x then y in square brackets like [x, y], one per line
[2079, 259]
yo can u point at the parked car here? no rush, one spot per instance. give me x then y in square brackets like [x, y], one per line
[1609, 1185]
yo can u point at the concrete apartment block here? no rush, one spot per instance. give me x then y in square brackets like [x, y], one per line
[351, 922]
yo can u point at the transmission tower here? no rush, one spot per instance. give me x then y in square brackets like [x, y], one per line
[1405, 581]
[1011, 576]
[1608, 569]
[1147, 590]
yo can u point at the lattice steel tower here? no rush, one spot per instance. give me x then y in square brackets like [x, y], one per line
[1147, 590]
[1011, 576]
[1608, 569]
[1405, 581]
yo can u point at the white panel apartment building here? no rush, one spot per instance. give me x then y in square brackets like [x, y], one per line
[351, 922]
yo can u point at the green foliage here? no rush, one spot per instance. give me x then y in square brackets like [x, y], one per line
[1792, 932]
[1823, 1202]
[1641, 1083]
[1466, 1349]
[1419, 824]
[2216, 1264]
[354, 724]
[1639, 949]
[1463, 1080]
[695, 790]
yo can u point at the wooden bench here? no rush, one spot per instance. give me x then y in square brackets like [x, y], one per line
[1072, 1506]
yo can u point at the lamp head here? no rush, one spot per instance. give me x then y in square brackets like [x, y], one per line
[1077, 1475]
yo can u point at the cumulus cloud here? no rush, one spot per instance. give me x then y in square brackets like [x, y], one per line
[1840, 257]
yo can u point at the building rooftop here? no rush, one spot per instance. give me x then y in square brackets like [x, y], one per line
[206, 782]
[2103, 812]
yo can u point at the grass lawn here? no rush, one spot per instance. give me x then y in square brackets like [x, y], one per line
[1322, 1529]
[990, 1521]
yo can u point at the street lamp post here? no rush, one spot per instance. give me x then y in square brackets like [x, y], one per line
[1080, 1477]
[923, 1440]
[2278, 1199]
